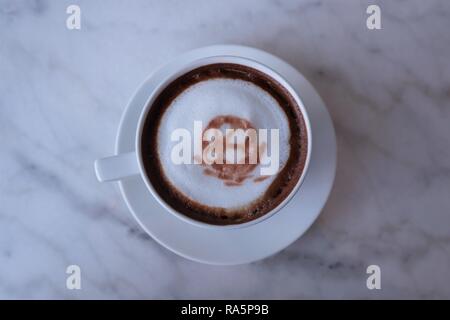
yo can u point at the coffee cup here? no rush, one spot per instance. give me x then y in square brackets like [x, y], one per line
[238, 70]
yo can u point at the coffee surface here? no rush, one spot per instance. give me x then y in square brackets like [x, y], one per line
[224, 96]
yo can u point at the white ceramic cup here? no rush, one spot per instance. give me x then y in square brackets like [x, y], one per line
[131, 164]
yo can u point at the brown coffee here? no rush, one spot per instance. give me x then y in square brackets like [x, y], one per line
[224, 96]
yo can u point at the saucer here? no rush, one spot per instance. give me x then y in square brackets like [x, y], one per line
[239, 245]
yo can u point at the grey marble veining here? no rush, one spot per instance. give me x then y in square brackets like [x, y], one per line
[62, 93]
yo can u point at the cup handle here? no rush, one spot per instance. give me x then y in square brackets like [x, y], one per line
[117, 167]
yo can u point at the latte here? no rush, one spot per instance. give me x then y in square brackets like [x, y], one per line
[224, 97]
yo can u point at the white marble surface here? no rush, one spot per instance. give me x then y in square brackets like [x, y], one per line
[62, 94]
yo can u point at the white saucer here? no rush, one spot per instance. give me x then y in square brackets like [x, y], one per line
[241, 245]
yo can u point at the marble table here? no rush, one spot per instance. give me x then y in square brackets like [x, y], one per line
[62, 93]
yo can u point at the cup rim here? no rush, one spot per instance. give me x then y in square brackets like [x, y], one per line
[183, 69]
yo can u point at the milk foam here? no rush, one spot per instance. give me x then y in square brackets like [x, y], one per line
[202, 102]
